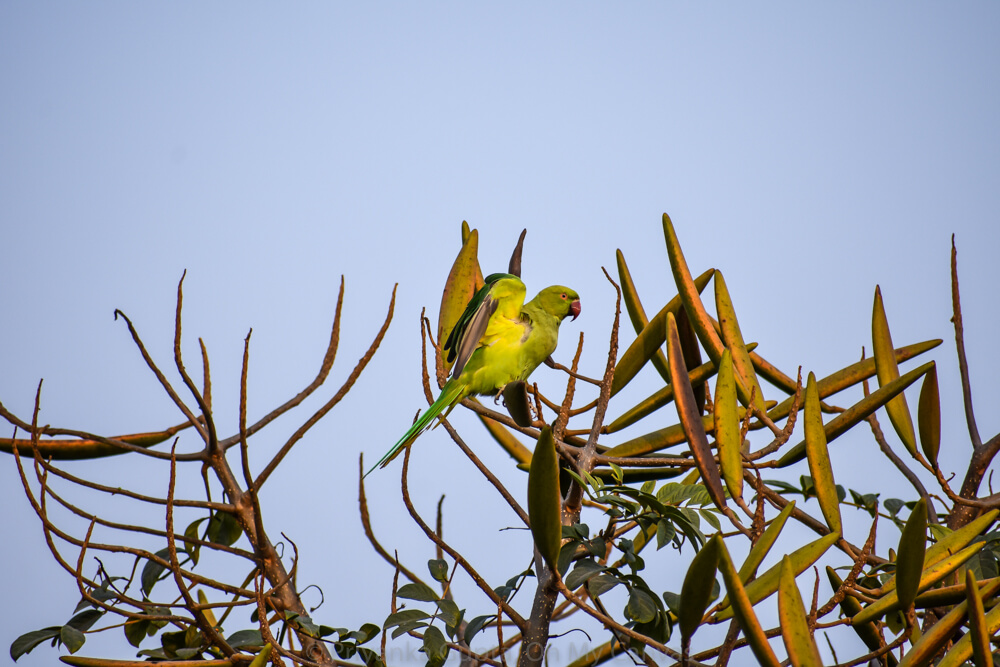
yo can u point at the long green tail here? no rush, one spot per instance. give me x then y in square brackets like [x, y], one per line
[450, 395]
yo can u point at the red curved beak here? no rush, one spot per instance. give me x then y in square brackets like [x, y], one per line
[574, 308]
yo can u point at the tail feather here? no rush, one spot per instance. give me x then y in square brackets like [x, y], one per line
[450, 395]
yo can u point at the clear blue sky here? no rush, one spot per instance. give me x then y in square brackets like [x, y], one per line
[810, 152]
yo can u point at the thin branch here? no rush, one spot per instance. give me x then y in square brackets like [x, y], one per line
[140, 529]
[63, 449]
[161, 377]
[127, 493]
[346, 387]
[324, 371]
[207, 627]
[485, 587]
[911, 477]
[611, 624]
[487, 473]
[259, 537]
[370, 534]
[963, 364]
[212, 440]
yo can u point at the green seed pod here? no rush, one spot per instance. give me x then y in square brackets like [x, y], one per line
[887, 371]
[727, 427]
[690, 417]
[910, 555]
[929, 417]
[800, 644]
[766, 584]
[742, 608]
[544, 500]
[697, 588]
[819, 459]
[733, 340]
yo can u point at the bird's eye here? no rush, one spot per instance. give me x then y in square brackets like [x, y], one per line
[563, 296]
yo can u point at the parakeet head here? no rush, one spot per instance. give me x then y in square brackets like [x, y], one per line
[560, 301]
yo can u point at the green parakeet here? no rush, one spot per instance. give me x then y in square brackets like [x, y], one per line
[498, 339]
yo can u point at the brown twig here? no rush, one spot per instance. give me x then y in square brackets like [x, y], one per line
[207, 628]
[211, 437]
[319, 414]
[497, 484]
[370, 534]
[963, 363]
[161, 377]
[457, 557]
[324, 371]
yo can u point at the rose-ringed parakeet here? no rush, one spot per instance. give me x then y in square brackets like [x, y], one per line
[499, 339]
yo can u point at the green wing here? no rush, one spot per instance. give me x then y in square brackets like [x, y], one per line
[464, 338]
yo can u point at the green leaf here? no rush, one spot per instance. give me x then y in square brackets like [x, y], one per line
[245, 639]
[370, 658]
[640, 606]
[173, 642]
[404, 616]
[450, 613]
[596, 547]
[417, 591]
[72, 638]
[584, 570]
[151, 572]
[100, 593]
[223, 528]
[601, 584]
[155, 653]
[192, 533]
[438, 569]
[665, 532]
[617, 472]
[475, 626]
[711, 519]
[345, 650]
[85, 619]
[893, 505]
[304, 624]
[673, 601]
[435, 646]
[29, 640]
[136, 630]
[364, 634]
